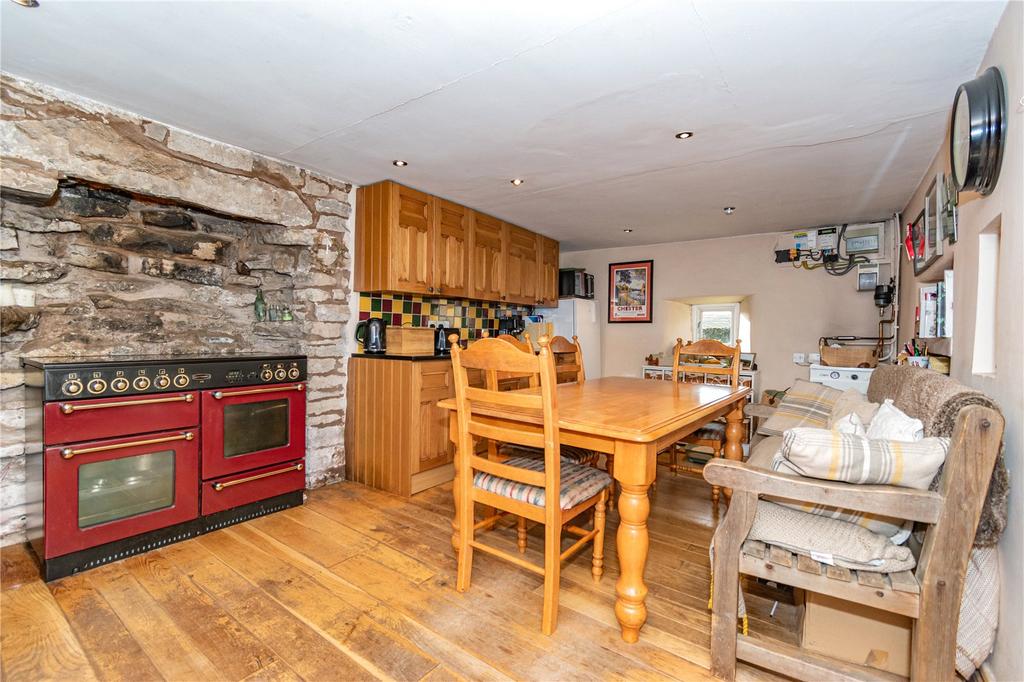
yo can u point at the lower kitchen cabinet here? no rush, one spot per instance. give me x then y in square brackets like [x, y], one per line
[396, 437]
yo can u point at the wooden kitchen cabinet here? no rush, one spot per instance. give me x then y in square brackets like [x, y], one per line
[396, 437]
[522, 272]
[547, 250]
[410, 242]
[487, 265]
[451, 255]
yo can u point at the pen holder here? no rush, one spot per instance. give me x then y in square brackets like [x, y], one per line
[918, 361]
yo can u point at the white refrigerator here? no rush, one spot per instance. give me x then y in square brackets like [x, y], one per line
[578, 317]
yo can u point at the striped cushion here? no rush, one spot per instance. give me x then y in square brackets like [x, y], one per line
[712, 431]
[578, 483]
[806, 404]
[569, 453]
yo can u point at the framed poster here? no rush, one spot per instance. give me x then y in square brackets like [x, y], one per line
[630, 287]
[917, 238]
[949, 202]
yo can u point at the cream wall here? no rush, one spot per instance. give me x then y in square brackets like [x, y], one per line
[788, 309]
[1005, 206]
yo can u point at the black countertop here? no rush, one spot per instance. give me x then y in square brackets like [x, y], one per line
[410, 358]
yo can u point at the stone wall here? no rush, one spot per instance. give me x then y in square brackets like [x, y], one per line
[123, 235]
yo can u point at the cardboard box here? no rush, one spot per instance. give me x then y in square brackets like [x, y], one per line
[856, 633]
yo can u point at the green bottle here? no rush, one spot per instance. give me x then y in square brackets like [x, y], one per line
[260, 306]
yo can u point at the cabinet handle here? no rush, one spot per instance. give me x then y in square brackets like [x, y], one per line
[220, 394]
[220, 486]
[430, 289]
[68, 453]
[68, 408]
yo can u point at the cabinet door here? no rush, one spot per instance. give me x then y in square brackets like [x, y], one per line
[436, 382]
[412, 241]
[451, 257]
[521, 275]
[548, 293]
[487, 265]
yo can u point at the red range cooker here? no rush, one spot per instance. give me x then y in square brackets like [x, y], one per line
[135, 453]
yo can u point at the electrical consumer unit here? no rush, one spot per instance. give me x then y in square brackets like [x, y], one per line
[864, 238]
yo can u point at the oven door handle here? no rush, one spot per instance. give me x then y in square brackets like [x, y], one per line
[68, 453]
[68, 408]
[253, 391]
[238, 481]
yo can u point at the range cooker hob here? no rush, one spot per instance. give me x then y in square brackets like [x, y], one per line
[65, 379]
[127, 454]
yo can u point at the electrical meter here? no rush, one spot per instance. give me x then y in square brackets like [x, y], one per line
[864, 238]
[828, 238]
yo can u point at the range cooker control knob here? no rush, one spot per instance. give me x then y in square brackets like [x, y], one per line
[181, 380]
[141, 383]
[72, 387]
[96, 385]
[267, 375]
[833, 375]
[119, 385]
[280, 375]
[162, 381]
[293, 373]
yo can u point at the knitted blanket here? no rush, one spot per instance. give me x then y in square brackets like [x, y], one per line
[936, 400]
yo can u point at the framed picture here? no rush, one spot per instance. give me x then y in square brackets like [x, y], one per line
[933, 226]
[630, 291]
[949, 199]
[919, 241]
[747, 360]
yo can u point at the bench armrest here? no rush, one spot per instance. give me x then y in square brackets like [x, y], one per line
[887, 500]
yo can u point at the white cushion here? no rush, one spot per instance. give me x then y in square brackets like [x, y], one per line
[891, 423]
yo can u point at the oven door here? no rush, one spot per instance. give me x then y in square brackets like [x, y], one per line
[246, 428]
[105, 490]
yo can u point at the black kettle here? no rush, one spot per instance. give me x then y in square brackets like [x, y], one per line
[441, 343]
[372, 334]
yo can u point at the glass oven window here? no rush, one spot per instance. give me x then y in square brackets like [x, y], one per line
[116, 489]
[252, 427]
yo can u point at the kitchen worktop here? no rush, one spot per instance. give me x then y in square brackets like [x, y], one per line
[411, 358]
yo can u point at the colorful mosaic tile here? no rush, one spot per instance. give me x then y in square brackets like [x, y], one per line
[471, 318]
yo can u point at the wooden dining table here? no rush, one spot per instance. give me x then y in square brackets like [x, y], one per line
[629, 420]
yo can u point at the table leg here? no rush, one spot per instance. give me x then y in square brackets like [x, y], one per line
[634, 469]
[734, 436]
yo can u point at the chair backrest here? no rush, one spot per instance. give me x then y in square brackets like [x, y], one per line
[568, 359]
[703, 349]
[501, 380]
[493, 356]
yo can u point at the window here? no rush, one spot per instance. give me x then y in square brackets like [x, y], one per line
[717, 321]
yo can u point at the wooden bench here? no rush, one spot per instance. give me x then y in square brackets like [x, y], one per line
[930, 595]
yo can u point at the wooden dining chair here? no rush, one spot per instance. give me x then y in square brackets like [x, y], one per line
[689, 356]
[548, 491]
[568, 359]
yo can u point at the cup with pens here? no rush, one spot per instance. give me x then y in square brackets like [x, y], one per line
[916, 355]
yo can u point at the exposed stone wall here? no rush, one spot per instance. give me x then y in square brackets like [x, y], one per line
[127, 233]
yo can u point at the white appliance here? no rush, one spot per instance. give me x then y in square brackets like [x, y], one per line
[842, 377]
[578, 317]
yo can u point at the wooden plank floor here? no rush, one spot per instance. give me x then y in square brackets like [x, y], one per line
[358, 584]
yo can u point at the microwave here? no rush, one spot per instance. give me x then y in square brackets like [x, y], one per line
[575, 283]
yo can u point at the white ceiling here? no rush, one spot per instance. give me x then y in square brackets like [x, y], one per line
[805, 113]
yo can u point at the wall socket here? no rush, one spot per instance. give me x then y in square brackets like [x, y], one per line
[798, 358]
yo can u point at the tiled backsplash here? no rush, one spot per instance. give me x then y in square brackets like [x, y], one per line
[471, 318]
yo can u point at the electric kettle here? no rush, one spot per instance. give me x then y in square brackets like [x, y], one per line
[371, 333]
[441, 344]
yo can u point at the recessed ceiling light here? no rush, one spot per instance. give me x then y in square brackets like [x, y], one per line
[685, 135]
[729, 210]
[627, 229]
[399, 163]
[517, 181]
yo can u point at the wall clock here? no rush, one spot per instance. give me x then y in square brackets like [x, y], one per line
[977, 132]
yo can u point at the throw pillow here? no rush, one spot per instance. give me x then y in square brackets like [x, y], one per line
[892, 423]
[827, 540]
[853, 401]
[850, 424]
[806, 404]
[834, 456]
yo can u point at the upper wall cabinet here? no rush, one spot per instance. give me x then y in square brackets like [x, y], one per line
[411, 242]
[487, 265]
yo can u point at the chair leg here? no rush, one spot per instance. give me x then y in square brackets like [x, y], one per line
[552, 575]
[715, 490]
[465, 550]
[674, 460]
[609, 465]
[597, 565]
[521, 534]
